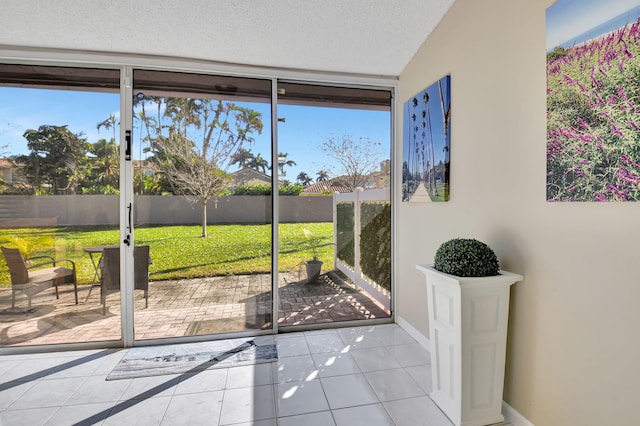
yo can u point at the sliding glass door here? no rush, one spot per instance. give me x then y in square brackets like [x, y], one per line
[59, 192]
[334, 146]
[202, 183]
[154, 192]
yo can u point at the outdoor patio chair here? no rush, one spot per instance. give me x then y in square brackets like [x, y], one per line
[110, 273]
[29, 280]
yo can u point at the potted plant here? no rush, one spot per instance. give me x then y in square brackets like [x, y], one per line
[468, 300]
[313, 266]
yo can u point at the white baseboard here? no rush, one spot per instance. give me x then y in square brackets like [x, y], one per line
[510, 414]
[413, 332]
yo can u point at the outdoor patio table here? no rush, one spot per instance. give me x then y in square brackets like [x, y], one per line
[96, 265]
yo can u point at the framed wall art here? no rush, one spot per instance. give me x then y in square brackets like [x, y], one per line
[426, 144]
[593, 100]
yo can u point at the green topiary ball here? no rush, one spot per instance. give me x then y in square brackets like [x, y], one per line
[466, 258]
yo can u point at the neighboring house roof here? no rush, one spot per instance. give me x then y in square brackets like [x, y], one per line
[326, 186]
[11, 172]
[249, 176]
[146, 167]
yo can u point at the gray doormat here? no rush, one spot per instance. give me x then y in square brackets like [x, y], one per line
[192, 357]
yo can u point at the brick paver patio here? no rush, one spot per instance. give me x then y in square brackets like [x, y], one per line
[184, 307]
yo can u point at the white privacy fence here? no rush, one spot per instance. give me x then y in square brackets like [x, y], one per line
[358, 197]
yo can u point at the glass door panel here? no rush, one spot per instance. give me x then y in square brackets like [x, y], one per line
[59, 197]
[334, 147]
[202, 184]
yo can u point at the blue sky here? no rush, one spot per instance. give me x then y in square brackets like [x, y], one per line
[306, 127]
[568, 19]
[300, 135]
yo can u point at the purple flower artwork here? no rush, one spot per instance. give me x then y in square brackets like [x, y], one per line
[426, 144]
[593, 101]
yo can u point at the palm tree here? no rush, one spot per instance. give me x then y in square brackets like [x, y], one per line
[107, 153]
[259, 163]
[109, 123]
[252, 119]
[106, 161]
[282, 161]
[242, 158]
[304, 178]
[322, 175]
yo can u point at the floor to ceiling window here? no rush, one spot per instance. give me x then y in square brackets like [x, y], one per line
[334, 204]
[188, 176]
[59, 145]
[202, 181]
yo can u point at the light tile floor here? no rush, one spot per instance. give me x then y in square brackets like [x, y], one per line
[375, 375]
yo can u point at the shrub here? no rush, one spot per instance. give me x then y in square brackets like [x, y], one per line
[265, 189]
[292, 189]
[375, 243]
[345, 237]
[375, 239]
[252, 189]
[466, 258]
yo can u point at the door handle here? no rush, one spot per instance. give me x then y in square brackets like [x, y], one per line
[129, 208]
[127, 239]
[127, 148]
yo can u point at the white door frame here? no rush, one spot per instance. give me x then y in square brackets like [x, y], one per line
[127, 207]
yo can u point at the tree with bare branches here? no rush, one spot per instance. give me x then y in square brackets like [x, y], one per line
[356, 159]
[194, 142]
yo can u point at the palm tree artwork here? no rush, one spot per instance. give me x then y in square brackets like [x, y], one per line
[426, 144]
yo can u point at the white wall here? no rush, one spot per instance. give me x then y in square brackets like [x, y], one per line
[573, 346]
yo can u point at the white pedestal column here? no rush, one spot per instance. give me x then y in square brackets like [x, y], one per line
[468, 319]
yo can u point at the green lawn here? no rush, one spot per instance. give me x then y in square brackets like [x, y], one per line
[179, 251]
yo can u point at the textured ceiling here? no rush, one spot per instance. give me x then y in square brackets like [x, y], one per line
[375, 37]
